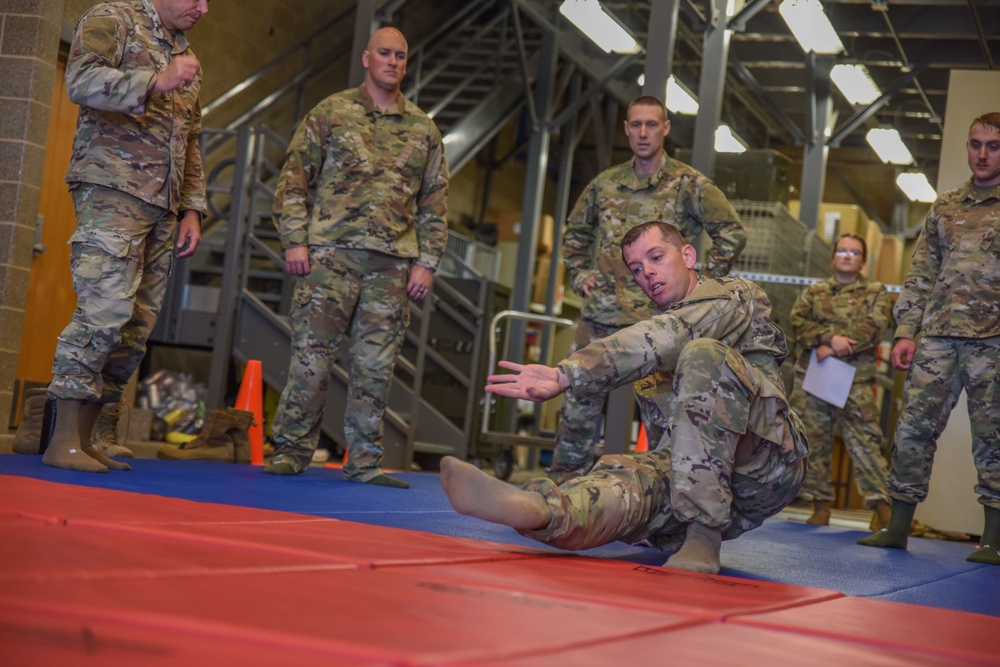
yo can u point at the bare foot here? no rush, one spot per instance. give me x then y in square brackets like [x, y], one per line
[474, 493]
[700, 551]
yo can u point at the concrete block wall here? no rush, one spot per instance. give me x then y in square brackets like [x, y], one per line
[29, 44]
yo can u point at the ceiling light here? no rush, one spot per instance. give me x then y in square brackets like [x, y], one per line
[855, 83]
[916, 187]
[678, 98]
[726, 141]
[812, 29]
[889, 146]
[601, 27]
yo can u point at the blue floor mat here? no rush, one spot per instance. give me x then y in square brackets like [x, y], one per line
[930, 572]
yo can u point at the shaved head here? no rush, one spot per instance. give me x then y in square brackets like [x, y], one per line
[384, 33]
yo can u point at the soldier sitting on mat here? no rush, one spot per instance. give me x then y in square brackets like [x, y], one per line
[730, 451]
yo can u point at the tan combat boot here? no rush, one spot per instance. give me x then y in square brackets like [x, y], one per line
[106, 437]
[224, 438]
[89, 413]
[881, 514]
[821, 513]
[29, 431]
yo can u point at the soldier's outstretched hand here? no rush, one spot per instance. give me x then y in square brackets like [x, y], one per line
[532, 382]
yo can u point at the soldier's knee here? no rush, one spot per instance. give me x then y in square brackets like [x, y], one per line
[703, 350]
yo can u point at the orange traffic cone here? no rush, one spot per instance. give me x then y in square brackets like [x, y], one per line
[338, 466]
[251, 399]
[640, 444]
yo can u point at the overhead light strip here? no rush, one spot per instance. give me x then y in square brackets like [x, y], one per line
[594, 21]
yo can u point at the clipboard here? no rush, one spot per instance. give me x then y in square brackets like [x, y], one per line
[829, 380]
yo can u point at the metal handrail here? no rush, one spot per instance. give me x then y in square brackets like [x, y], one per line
[513, 315]
[272, 64]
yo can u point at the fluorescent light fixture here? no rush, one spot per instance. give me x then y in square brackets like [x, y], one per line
[889, 146]
[726, 141]
[916, 187]
[678, 98]
[810, 26]
[596, 23]
[855, 82]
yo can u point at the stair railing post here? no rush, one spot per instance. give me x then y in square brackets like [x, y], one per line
[232, 278]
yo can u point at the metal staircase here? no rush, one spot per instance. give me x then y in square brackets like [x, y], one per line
[233, 294]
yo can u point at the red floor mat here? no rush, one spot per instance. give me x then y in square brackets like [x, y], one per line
[968, 638]
[112, 577]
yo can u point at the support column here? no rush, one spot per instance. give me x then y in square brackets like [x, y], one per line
[712, 83]
[531, 207]
[534, 182]
[660, 39]
[819, 124]
[364, 26]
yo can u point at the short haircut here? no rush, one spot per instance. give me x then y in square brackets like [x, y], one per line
[864, 246]
[647, 101]
[991, 120]
[668, 233]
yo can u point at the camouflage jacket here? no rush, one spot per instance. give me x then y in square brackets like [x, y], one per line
[379, 180]
[616, 201]
[859, 311]
[953, 286]
[732, 310]
[127, 137]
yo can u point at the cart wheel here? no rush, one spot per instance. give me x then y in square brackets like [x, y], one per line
[503, 465]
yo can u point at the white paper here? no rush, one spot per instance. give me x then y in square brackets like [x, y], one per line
[829, 380]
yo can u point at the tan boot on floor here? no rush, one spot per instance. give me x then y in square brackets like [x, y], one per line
[64, 449]
[105, 437]
[821, 514]
[89, 413]
[29, 431]
[881, 514]
[224, 438]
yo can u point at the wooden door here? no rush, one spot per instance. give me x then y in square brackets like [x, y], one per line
[51, 298]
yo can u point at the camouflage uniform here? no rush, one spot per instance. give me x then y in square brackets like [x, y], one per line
[613, 203]
[950, 297]
[860, 311]
[731, 453]
[135, 166]
[380, 183]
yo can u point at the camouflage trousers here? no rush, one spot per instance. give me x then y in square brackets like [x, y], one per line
[701, 471]
[362, 295]
[859, 422]
[941, 368]
[121, 257]
[578, 419]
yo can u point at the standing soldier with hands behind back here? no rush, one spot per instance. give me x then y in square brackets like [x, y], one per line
[137, 184]
[372, 240]
[650, 186]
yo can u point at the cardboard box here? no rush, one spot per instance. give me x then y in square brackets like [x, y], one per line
[543, 267]
[138, 422]
[835, 219]
[508, 224]
[889, 269]
[873, 239]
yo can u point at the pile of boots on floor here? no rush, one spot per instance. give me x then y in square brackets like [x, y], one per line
[80, 435]
[225, 438]
[881, 512]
